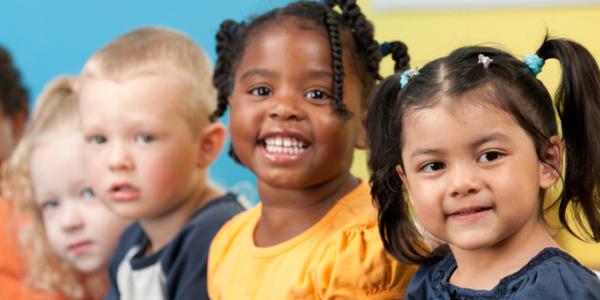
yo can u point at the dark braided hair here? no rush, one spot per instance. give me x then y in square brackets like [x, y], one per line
[13, 95]
[232, 39]
[364, 48]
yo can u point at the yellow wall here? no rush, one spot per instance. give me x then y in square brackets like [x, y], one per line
[431, 34]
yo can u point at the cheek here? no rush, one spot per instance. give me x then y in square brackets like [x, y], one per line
[55, 236]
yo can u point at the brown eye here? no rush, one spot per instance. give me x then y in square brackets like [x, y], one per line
[260, 91]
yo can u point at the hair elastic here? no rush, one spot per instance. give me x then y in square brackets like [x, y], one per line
[534, 63]
[407, 75]
[385, 48]
[484, 60]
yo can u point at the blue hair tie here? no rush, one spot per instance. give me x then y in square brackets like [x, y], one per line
[385, 48]
[406, 76]
[534, 63]
[234, 29]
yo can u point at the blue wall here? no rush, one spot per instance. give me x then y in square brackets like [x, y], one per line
[50, 38]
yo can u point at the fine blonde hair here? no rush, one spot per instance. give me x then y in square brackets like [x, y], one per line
[157, 50]
[56, 110]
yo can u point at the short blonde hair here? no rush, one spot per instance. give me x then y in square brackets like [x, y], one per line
[56, 110]
[151, 50]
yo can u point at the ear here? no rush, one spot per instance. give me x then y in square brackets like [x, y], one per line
[554, 156]
[18, 121]
[402, 175]
[212, 139]
[361, 141]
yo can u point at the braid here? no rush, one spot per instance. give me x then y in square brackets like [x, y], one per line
[400, 56]
[337, 63]
[363, 33]
[225, 38]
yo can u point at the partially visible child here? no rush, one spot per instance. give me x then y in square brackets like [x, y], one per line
[473, 140]
[68, 235]
[298, 81]
[14, 105]
[145, 105]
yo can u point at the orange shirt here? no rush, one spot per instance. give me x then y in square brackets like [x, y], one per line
[340, 257]
[12, 267]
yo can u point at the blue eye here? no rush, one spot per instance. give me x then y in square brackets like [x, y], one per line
[317, 95]
[260, 91]
[96, 139]
[88, 193]
[489, 156]
[49, 205]
[144, 138]
[432, 167]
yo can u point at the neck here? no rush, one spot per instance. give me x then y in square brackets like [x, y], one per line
[97, 284]
[482, 269]
[163, 228]
[288, 212]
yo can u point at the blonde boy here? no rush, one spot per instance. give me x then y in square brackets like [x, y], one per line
[145, 104]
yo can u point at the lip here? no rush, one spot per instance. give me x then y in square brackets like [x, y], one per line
[470, 213]
[80, 247]
[123, 191]
[282, 156]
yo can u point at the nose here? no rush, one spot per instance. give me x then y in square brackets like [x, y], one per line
[286, 106]
[70, 219]
[465, 181]
[119, 158]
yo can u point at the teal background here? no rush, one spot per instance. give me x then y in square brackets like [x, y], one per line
[50, 38]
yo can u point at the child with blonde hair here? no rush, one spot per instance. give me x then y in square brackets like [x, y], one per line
[67, 235]
[145, 105]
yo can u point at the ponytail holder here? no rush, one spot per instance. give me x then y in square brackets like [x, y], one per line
[407, 75]
[233, 29]
[385, 48]
[534, 63]
[484, 60]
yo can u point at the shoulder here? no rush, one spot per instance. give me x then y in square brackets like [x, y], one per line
[429, 278]
[231, 232]
[354, 259]
[195, 238]
[553, 273]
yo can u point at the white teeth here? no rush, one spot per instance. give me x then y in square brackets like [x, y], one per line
[284, 145]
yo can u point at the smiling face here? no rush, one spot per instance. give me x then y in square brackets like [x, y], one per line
[477, 183]
[80, 229]
[141, 150]
[282, 123]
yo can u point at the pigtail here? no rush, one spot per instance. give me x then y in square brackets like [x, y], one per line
[578, 105]
[399, 52]
[221, 77]
[399, 234]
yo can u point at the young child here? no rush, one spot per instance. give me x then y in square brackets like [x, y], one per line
[473, 140]
[68, 236]
[145, 105]
[297, 80]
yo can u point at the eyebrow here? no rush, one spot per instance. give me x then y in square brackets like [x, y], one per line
[495, 136]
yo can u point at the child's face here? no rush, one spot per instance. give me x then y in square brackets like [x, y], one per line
[80, 229]
[472, 174]
[140, 149]
[282, 123]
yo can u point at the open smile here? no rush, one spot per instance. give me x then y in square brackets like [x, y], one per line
[283, 147]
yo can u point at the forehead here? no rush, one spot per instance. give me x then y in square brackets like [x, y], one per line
[451, 119]
[149, 93]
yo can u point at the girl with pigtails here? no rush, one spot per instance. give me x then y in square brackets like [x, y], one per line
[469, 145]
[298, 80]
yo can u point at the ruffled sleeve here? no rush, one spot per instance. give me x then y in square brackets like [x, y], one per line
[356, 266]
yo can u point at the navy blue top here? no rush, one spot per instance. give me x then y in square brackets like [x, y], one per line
[551, 274]
[181, 264]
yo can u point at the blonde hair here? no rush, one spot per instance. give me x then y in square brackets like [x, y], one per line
[56, 110]
[156, 50]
